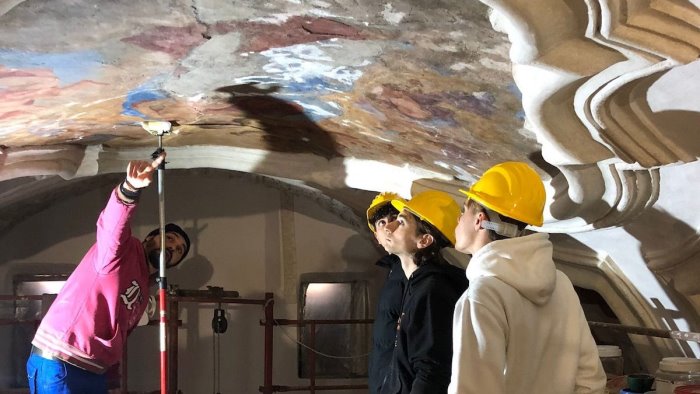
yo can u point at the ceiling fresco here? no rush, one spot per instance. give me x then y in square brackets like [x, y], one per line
[402, 82]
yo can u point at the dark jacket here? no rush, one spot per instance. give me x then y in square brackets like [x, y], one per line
[384, 329]
[422, 359]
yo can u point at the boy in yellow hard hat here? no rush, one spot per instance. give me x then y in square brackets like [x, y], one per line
[519, 328]
[379, 214]
[423, 338]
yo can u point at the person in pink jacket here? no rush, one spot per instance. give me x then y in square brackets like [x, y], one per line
[84, 331]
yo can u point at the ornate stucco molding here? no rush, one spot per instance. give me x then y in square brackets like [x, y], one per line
[603, 88]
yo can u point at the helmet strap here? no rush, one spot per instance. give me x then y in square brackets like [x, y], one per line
[508, 230]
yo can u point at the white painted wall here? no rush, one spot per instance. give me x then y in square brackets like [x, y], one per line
[242, 241]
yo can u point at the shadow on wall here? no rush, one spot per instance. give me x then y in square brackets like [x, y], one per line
[668, 246]
[196, 270]
[682, 128]
[37, 235]
[354, 253]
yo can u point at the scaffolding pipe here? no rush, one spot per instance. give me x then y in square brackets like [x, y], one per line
[267, 387]
[650, 332]
[215, 295]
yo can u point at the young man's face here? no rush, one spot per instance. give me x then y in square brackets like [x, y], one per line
[401, 235]
[380, 229]
[466, 229]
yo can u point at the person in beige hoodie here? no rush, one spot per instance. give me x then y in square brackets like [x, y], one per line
[519, 327]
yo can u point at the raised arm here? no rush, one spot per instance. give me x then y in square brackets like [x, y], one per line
[113, 225]
[139, 175]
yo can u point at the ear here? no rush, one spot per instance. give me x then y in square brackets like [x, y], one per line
[424, 240]
[480, 217]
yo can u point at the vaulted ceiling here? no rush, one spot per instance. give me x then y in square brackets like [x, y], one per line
[352, 97]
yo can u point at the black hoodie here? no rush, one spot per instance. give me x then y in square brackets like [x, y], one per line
[422, 359]
[384, 329]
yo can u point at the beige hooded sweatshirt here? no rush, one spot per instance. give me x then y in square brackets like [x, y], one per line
[519, 327]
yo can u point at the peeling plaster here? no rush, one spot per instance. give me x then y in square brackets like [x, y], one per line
[393, 17]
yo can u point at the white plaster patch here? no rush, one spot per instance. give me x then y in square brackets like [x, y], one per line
[459, 66]
[392, 17]
[373, 135]
[322, 13]
[319, 3]
[500, 49]
[528, 134]
[464, 175]
[442, 164]
[499, 22]
[274, 19]
[196, 98]
[442, 48]
[481, 95]
[315, 109]
[212, 11]
[494, 65]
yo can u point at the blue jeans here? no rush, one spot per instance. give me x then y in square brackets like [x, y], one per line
[58, 377]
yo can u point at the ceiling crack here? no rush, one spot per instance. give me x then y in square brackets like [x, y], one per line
[195, 11]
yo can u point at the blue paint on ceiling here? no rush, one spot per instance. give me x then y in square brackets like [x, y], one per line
[69, 67]
[150, 91]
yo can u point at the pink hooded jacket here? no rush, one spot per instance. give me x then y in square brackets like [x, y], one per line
[102, 300]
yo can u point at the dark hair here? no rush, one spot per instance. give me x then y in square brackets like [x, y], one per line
[383, 211]
[430, 254]
[174, 228]
[494, 236]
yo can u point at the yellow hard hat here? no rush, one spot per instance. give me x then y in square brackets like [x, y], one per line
[435, 207]
[379, 201]
[512, 189]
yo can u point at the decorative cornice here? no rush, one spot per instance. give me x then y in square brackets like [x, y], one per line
[595, 78]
